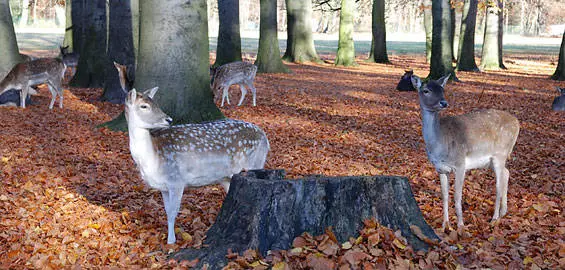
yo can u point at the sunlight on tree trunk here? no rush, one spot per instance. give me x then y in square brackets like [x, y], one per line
[560, 71]
[229, 40]
[466, 56]
[490, 57]
[442, 48]
[378, 53]
[346, 48]
[268, 53]
[68, 39]
[8, 43]
[500, 33]
[428, 25]
[299, 43]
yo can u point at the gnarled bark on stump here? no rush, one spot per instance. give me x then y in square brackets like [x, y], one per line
[264, 211]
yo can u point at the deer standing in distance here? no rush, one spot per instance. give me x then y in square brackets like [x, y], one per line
[69, 59]
[172, 157]
[27, 74]
[240, 73]
[405, 83]
[459, 143]
[559, 102]
[125, 79]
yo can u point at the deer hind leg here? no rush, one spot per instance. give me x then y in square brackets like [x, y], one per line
[243, 93]
[444, 180]
[54, 92]
[225, 95]
[24, 93]
[172, 199]
[253, 91]
[458, 195]
[502, 175]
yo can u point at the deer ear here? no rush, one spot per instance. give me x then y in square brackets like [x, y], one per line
[116, 65]
[151, 92]
[416, 82]
[132, 95]
[443, 80]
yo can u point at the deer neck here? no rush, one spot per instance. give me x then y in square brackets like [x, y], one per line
[144, 153]
[433, 135]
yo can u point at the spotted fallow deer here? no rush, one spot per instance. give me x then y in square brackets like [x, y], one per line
[241, 73]
[459, 143]
[44, 70]
[171, 158]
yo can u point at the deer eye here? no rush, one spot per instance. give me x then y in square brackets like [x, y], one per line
[144, 106]
[426, 91]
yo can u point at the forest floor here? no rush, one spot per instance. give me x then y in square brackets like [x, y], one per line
[70, 194]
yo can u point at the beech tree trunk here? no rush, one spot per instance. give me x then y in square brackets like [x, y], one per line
[442, 46]
[228, 48]
[466, 57]
[378, 52]
[428, 25]
[269, 53]
[264, 211]
[8, 44]
[490, 55]
[299, 43]
[560, 71]
[346, 48]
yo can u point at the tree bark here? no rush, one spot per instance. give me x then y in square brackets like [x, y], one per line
[442, 48]
[500, 33]
[428, 25]
[120, 50]
[266, 212]
[68, 39]
[490, 57]
[299, 43]
[560, 71]
[378, 52]
[268, 53]
[93, 60]
[173, 55]
[8, 43]
[135, 28]
[466, 57]
[229, 40]
[346, 48]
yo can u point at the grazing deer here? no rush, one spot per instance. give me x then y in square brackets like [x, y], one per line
[172, 157]
[44, 70]
[459, 143]
[405, 83]
[125, 80]
[69, 59]
[240, 73]
[559, 102]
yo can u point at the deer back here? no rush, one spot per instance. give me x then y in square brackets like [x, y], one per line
[37, 71]
[233, 73]
[559, 102]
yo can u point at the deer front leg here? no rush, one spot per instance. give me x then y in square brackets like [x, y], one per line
[444, 181]
[53, 90]
[172, 199]
[459, 180]
[243, 92]
[253, 91]
[502, 175]
[225, 95]
[23, 94]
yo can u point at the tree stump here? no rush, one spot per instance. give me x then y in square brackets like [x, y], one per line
[264, 211]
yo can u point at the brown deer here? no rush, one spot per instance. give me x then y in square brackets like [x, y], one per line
[459, 143]
[559, 102]
[172, 157]
[241, 73]
[27, 74]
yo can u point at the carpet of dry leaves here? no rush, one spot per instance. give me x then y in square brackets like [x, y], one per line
[70, 194]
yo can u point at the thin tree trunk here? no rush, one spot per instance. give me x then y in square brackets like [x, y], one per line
[346, 48]
[268, 53]
[179, 67]
[135, 28]
[8, 43]
[442, 48]
[299, 43]
[500, 33]
[428, 25]
[560, 71]
[378, 52]
[93, 60]
[490, 57]
[25, 13]
[68, 40]
[466, 56]
[120, 50]
[229, 40]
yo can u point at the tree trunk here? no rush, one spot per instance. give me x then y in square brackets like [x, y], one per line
[378, 52]
[299, 43]
[68, 40]
[176, 63]
[500, 33]
[442, 48]
[25, 13]
[560, 71]
[135, 28]
[490, 57]
[268, 53]
[8, 43]
[78, 20]
[466, 56]
[120, 50]
[266, 212]
[229, 40]
[92, 62]
[346, 48]
[428, 25]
